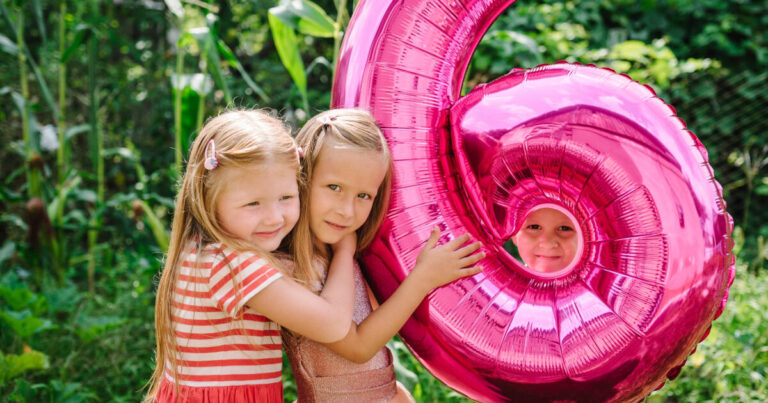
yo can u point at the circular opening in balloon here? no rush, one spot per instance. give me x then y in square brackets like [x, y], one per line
[549, 243]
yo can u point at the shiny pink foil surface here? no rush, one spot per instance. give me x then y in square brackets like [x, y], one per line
[657, 259]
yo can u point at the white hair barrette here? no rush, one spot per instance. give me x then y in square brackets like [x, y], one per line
[210, 162]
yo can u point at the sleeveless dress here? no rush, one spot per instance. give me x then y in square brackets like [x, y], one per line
[324, 376]
[226, 352]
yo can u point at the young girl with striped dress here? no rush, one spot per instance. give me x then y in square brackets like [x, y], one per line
[223, 297]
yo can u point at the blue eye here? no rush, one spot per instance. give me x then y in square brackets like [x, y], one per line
[365, 196]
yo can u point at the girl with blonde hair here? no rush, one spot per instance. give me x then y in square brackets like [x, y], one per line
[222, 296]
[345, 189]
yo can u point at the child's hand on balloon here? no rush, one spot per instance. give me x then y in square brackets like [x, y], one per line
[439, 265]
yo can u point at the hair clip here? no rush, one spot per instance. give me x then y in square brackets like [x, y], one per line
[210, 161]
[326, 121]
[299, 152]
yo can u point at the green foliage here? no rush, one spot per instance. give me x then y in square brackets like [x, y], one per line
[731, 364]
[305, 17]
[13, 365]
[533, 33]
[90, 170]
[287, 48]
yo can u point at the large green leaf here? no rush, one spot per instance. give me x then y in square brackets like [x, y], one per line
[288, 50]
[305, 17]
[17, 298]
[205, 40]
[24, 323]
[13, 365]
[191, 90]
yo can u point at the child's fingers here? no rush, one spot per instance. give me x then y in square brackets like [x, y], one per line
[456, 242]
[433, 237]
[472, 259]
[466, 250]
[470, 271]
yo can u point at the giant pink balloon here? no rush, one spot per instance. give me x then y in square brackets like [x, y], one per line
[656, 264]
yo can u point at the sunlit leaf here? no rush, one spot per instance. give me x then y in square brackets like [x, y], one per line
[86, 195]
[200, 34]
[319, 61]
[72, 131]
[205, 40]
[288, 50]
[8, 46]
[14, 219]
[198, 82]
[17, 298]
[175, 7]
[404, 375]
[7, 251]
[305, 17]
[16, 365]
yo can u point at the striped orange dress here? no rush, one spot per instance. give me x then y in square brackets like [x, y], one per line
[226, 351]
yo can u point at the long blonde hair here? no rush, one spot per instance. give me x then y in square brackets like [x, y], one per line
[242, 138]
[351, 127]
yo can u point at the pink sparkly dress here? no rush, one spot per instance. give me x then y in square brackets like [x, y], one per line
[324, 376]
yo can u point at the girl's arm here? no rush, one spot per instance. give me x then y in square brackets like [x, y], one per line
[324, 318]
[435, 266]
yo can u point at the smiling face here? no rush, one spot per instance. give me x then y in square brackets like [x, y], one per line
[547, 241]
[345, 181]
[259, 204]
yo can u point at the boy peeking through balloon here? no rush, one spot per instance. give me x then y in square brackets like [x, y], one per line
[548, 240]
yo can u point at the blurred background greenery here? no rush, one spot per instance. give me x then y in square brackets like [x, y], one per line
[102, 98]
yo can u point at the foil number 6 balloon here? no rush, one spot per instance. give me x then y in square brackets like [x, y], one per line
[655, 260]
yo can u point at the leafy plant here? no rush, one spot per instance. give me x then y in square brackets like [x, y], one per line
[104, 98]
[309, 19]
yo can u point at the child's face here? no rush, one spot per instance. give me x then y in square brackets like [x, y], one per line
[547, 241]
[259, 204]
[344, 184]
